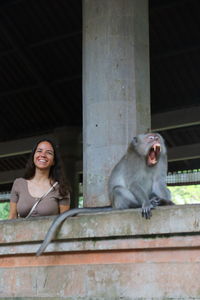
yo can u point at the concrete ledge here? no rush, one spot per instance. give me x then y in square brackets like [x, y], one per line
[113, 255]
[102, 231]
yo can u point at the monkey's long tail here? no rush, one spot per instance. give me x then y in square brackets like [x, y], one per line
[60, 218]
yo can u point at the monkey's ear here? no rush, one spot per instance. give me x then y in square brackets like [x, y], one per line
[135, 140]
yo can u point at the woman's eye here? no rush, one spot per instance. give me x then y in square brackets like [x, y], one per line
[49, 152]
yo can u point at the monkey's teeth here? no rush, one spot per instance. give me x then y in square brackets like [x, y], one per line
[156, 147]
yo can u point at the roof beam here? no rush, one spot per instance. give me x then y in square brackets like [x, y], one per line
[185, 152]
[176, 119]
[17, 42]
[19, 90]
[21, 146]
[175, 52]
[10, 176]
[66, 136]
[37, 86]
[55, 39]
[163, 5]
[7, 52]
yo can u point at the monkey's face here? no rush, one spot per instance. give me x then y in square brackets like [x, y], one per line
[150, 146]
[154, 150]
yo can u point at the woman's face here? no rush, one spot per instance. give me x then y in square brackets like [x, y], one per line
[44, 156]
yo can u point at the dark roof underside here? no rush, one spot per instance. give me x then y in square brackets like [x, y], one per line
[41, 68]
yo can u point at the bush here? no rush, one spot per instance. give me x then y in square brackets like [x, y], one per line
[4, 210]
[185, 194]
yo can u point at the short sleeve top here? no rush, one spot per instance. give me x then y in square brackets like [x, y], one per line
[49, 205]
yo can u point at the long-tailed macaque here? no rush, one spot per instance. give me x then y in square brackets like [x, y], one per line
[138, 180]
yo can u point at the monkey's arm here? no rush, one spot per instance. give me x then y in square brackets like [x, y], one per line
[142, 198]
[60, 218]
[160, 194]
[146, 209]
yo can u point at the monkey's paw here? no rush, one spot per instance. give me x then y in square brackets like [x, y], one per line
[146, 212]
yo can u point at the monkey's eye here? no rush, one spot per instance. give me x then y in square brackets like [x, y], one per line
[151, 137]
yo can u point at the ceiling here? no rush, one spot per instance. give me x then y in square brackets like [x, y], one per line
[41, 71]
[175, 73]
[40, 66]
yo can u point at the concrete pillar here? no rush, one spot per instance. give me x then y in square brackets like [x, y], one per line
[116, 93]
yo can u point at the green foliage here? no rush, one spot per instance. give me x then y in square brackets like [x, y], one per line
[4, 210]
[80, 202]
[185, 194]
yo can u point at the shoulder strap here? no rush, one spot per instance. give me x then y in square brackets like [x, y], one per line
[36, 203]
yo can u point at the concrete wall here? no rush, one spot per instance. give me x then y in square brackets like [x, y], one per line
[116, 255]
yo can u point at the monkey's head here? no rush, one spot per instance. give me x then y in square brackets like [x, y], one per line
[150, 146]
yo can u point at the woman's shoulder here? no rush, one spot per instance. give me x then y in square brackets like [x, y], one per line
[18, 185]
[19, 181]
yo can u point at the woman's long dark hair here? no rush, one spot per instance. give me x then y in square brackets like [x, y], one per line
[56, 172]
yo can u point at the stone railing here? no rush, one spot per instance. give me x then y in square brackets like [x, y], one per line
[113, 255]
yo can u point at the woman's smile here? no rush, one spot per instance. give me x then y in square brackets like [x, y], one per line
[44, 155]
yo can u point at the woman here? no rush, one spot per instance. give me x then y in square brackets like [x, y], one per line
[42, 173]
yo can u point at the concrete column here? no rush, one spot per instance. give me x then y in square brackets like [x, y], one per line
[116, 93]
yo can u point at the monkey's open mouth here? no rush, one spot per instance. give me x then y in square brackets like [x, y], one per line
[153, 154]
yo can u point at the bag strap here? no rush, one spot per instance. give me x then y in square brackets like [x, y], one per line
[36, 203]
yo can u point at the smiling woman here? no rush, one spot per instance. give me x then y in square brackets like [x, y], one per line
[43, 190]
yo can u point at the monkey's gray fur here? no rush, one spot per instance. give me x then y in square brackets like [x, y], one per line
[139, 179]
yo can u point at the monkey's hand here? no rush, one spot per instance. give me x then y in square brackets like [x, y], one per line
[146, 210]
[155, 201]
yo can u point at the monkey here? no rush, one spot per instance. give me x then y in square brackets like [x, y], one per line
[137, 181]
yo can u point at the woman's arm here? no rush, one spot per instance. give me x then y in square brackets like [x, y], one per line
[13, 210]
